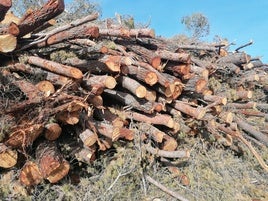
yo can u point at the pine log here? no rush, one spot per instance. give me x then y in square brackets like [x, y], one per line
[103, 80]
[251, 130]
[149, 55]
[8, 156]
[130, 101]
[140, 73]
[133, 86]
[46, 87]
[181, 57]
[8, 43]
[197, 113]
[85, 155]
[52, 131]
[24, 135]
[35, 19]
[5, 5]
[53, 166]
[236, 58]
[55, 67]
[11, 29]
[30, 174]
[88, 138]
[127, 33]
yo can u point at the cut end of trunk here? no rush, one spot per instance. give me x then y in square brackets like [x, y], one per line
[8, 43]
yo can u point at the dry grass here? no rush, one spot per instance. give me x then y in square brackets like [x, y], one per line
[215, 173]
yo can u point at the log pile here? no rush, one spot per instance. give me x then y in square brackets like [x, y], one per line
[87, 82]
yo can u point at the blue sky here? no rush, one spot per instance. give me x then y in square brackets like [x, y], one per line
[238, 21]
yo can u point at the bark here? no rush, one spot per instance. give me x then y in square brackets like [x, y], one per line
[181, 57]
[35, 19]
[55, 67]
[237, 59]
[53, 166]
[127, 33]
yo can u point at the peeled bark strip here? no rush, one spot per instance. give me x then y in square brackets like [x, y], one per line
[35, 19]
[52, 165]
[30, 174]
[8, 157]
[133, 86]
[5, 5]
[55, 67]
[197, 113]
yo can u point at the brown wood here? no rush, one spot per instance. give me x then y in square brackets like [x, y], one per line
[35, 19]
[133, 86]
[88, 137]
[8, 43]
[197, 113]
[181, 57]
[237, 59]
[126, 33]
[53, 166]
[5, 5]
[55, 67]
[103, 80]
[30, 174]
[52, 131]
[140, 73]
[11, 29]
[46, 87]
[8, 156]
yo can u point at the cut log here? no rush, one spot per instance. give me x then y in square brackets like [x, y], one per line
[88, 137]
[181, 57]
[8, 43]
[126, 33]
[103, 80]
[46, 87]
[8, 157]
[53, 166]
[55, 67]
[52, 131]
[133, 86]
[197, 113]
[35, 19]
[30, 174]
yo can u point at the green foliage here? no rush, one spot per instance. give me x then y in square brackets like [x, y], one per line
[197, 24]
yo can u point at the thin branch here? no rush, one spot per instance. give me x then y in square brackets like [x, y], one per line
[245, 45]
[165, 189]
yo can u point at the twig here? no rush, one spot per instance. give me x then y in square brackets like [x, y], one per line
[242, 46]
[165, 189]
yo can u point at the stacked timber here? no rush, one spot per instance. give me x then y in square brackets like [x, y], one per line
[89, 83]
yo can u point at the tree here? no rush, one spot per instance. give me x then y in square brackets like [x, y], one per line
[197, 24]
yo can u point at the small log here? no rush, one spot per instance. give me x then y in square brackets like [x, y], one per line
[103, 80]
[251, 130]
[52, 131]
[149, 55]
[236, 58]
[88, 138]
[23, 136]
[127, 33]
[5, 5]
[83, 31]
[152, 132]
[114, 62]
[46, 87]
[140, 73]
[53, 166]
[55, 67]
[168, 154]
[67, 117]
[11, 29]
[30, 174]
[8, 157]
[197, 113]
[8, 43]
[216, 99]
[85, 155]
[37, 18]
[131, 101]
[133, 86]
[181, 57]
